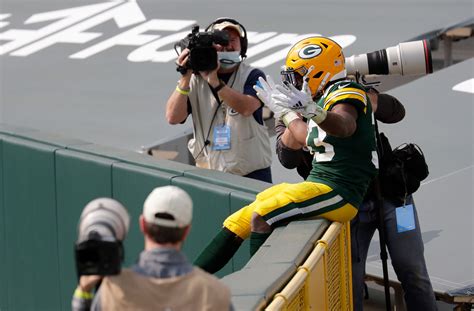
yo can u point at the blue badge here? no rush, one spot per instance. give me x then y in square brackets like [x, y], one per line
[405, 218]
[221, 138]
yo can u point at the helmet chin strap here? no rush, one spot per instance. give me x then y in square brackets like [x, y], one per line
[341, 74]
[323, 82]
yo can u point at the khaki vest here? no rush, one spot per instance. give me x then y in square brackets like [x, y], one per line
[196, 290]
[250, 144]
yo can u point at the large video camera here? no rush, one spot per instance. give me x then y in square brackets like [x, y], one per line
[407, 58]
[202, 56]
[102, 227]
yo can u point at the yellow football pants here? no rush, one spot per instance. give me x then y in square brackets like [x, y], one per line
[291, 201]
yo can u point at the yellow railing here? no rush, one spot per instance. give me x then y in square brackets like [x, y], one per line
[324, 280]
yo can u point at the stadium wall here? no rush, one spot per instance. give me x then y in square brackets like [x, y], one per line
[46, 180]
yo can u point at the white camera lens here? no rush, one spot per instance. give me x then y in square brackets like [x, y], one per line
[407, 58]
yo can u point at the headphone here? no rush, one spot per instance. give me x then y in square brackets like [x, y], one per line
[243, 40]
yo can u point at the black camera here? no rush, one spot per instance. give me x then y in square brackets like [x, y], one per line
[97, 257]
[202, 55]
[103, 225]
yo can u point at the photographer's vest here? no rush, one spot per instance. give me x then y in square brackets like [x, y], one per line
[249, 141]
[196, 290]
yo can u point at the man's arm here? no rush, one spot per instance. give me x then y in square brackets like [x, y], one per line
[290, 152]
[340, 121]
[83, 297]
[388, 109]
[294, 136]
[177, 104]
[244, 104]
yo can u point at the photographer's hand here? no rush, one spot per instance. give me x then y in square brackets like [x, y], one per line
[181, 62]
[211, 77]
[88, 282]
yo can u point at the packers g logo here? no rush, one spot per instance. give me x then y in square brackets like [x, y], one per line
[232, 112]
[310, 51]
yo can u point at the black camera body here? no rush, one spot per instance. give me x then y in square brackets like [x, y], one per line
[202, 55]
[98, 257]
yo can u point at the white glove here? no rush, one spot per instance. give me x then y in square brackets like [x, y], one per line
[293, 98]
[265, 90]
[314, 112]
[290, 97]
[299, 101]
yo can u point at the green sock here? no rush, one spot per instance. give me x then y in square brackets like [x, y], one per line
[256, 240]
[221, 249]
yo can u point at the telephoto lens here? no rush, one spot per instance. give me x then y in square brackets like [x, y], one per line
[407, 58]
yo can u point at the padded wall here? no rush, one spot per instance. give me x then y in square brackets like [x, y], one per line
[208, 213]
[80, 179]
[45, 182]
[31, 252]
[132, 184]
[3, 265]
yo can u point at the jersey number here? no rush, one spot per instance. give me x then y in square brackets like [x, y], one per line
[323, 151]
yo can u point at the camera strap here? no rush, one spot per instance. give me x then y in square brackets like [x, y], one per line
[206, 138]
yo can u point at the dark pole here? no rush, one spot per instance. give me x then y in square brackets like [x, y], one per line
[383, 249]
[381, 227]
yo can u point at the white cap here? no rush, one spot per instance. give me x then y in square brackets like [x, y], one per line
[168, 200]
[227, 24]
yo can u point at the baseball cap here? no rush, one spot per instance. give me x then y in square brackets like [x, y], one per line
[169, 200]
[228, 24]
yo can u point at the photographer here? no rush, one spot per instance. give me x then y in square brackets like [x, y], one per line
[229, 132]
[162, 279]
[406, 249]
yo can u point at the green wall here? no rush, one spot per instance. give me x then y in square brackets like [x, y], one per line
[46, 180]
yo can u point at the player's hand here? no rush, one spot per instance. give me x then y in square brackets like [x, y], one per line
[265, 91]
[299, 101]
[314, 112]
[292, 98]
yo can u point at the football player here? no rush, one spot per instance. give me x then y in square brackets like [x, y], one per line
[340, 133]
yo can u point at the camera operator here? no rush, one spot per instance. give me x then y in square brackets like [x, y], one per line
[406, 249]
[229, 132]
[163, 278]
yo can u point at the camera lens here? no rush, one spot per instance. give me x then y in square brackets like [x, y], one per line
[407, 58]
[377, 62]
[103, 225]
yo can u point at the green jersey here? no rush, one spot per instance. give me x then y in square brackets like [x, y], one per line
[345, 164]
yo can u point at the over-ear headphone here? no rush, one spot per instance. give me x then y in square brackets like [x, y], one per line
[243, 40]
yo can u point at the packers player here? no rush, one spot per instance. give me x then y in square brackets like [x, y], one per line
[340, 134]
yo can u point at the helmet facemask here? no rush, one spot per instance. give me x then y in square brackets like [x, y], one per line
[293, 77]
